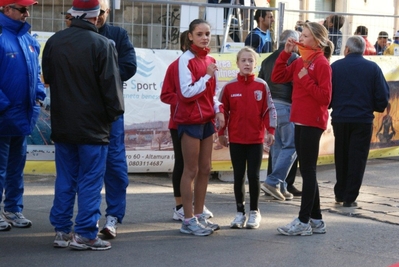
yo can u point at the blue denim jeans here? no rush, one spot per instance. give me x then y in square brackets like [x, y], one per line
[283, 150]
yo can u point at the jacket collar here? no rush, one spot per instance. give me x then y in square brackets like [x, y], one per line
[84, 24]
[15, 26]
[200, 52]
[246, 78]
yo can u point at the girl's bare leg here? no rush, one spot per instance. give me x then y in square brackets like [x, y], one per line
[191, 150]
[204, 169]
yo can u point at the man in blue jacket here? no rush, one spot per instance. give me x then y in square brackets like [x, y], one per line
[20, 91]
[359, 90]
[261, 38]
[116, 177]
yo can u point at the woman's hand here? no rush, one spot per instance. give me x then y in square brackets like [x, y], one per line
[290, 45]
[210, 70]
[219, 121]
[269, 139]
[302, 73]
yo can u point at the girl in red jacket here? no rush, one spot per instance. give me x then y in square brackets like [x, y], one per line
[249, 110]
[311, 77]
[169, 96]
[195, 116]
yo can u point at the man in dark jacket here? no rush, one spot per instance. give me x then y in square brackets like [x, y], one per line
[81, 68]
[116, 179]
[282, 155]
[359, 89]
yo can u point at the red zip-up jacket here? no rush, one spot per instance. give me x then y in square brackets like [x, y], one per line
[196, 90]
[311, 94]
[168, 93]
[248, 109]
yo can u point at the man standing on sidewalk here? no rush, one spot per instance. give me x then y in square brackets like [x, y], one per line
[81, 68]
[20, 90]
[116, 178]
[358, 89]
[282, 152]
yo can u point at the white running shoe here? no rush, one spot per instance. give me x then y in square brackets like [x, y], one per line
[193, 227]
[207, 213]
[239, 221]
[109, 229]
[4, 226]
[82, 243]
[296, 227]
[16, 219]
[178, 215]
[254, 219]
[318, 226]
[62, 240]
[207, 223]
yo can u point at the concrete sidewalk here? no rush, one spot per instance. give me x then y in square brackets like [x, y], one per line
[366, 236]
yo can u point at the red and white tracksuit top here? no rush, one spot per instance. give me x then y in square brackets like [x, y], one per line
[196, 90]
[248, 109]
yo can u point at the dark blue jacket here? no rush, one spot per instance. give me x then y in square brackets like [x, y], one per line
[358, 89]
[258, 40]
[126, 53]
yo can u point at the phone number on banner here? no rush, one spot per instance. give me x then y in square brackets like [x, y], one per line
[149, 161]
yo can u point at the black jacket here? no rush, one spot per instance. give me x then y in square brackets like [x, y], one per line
[81, 68]
[280, 91]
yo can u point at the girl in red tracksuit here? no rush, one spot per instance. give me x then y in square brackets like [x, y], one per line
[311, 96]
[169, 96]
[249, 110]
[195, 116]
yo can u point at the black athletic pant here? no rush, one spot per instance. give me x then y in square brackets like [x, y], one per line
[307, 148]
[179, 165]
[246, 157]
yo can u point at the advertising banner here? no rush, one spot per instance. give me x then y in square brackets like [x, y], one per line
[147, 138]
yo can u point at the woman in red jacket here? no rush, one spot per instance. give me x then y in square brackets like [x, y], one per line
[195, 116]
[311, 96]
[249, 110]
[169, 96]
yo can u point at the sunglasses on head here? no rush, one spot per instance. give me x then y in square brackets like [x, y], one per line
[23, 10]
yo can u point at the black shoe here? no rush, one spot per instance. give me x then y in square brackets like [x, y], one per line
[349, 204]
[338, 200]
[294, 191]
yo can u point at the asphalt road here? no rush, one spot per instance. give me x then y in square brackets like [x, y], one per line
[367, 236]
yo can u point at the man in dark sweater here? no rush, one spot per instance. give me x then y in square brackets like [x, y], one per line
[359, 90]
[282, 155]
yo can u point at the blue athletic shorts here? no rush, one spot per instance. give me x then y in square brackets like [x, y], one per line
[199, 131]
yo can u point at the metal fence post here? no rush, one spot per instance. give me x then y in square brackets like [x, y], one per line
[281, 10]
